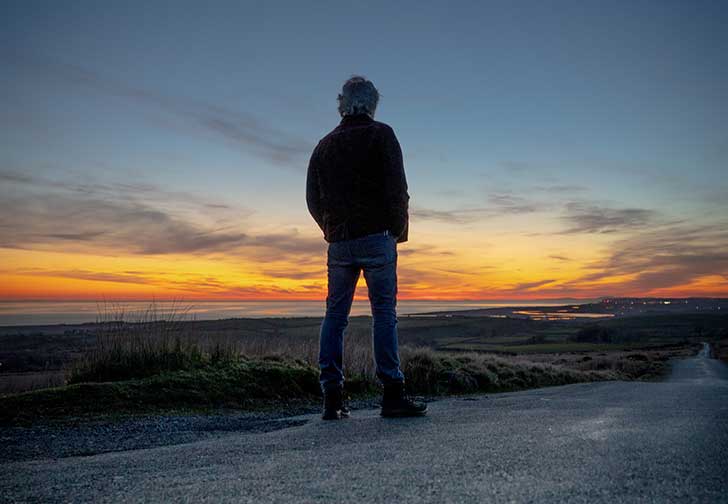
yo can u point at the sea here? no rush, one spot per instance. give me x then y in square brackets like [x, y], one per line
[13, 313]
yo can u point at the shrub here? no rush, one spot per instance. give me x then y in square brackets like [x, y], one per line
[145, 344]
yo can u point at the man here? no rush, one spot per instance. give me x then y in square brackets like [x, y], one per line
[356, 191]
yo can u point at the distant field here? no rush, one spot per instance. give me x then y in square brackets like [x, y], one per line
[49, 348]
[556, 347]
[248, 363]
[36, 357]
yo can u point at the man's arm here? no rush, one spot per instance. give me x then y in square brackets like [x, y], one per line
[395, 185]
[313, 194]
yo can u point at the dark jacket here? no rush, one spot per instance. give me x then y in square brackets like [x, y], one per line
[356, 183]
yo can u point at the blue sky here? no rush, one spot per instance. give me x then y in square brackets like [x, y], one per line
[514, 107]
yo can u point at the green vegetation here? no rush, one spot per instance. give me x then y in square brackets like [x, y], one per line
[433, 373]
[125, 351]
[167, 363]
[241, 384]
[251, 383]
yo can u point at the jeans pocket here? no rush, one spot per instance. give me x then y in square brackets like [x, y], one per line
[380, 249]
[336, 254]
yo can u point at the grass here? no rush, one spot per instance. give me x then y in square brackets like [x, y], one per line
[251, 383]
[434, 373]
[150, 344]
[152, 361]
[12, 383]
[240, 384]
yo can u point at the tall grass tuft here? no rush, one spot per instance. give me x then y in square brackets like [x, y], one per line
[145, 343]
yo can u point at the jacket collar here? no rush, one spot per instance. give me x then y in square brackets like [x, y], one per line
[355, 119]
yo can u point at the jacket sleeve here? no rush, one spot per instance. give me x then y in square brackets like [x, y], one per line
[313, 193]
[395, 185]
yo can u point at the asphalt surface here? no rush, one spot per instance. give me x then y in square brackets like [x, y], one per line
[598, 442]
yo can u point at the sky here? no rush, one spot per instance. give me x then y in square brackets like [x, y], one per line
[552, 149]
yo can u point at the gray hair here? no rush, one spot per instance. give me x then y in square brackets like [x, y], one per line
[358, 96]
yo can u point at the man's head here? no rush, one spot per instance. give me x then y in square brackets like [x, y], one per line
[358, 96]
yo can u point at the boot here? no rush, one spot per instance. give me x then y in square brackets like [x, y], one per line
[395, 402]
[334, 408]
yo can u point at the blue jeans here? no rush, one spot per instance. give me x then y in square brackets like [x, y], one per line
[376, 254]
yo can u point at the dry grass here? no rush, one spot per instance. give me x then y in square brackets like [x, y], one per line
[160, 360]
[13, 383]
[164, 350]
[627, 364]
[140, 344]
[145, 344]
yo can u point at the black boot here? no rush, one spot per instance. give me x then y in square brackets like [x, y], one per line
[334, 408]
[396, 404]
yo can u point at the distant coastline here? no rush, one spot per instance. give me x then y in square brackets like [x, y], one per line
[26, 313]
[48, 313]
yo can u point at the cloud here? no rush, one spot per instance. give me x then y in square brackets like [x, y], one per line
[114, 226]
[116, 191]
[588, 218]
[558, 257]
[426, 250]
[108, 219]
[192, 283]
[294, 274]
[233, 126]
[500, 204]
[531, 285]
[667, 257]
[80, 274]
[87, 236]
[462, 216]
[561, 188]
[661, 261]
[507, 203]
[18, 178]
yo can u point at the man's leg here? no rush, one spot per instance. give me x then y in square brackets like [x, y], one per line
[342, 279]
[380, 272]
[381, 278]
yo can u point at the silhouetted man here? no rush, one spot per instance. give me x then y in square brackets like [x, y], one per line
[356, 191]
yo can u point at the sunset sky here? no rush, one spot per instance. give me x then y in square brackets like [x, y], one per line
[552, 149]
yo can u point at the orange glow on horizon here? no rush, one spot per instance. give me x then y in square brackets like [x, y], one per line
[512, 272]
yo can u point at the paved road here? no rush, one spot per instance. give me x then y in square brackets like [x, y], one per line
[600, 442]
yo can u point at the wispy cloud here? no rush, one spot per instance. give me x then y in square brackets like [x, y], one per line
[109, 219]
[459, 216]
[527, 286]
[116, 227]
[236, 127]
[36, 186]
[559, 257]
[425, 249]
[295, 273]
[508, 203]
[589, 218]
[561, 188]
[666, 257]
[192, 283]
[81, 274]
[499, 204]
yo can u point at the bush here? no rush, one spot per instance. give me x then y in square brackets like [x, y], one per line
[150, 344]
